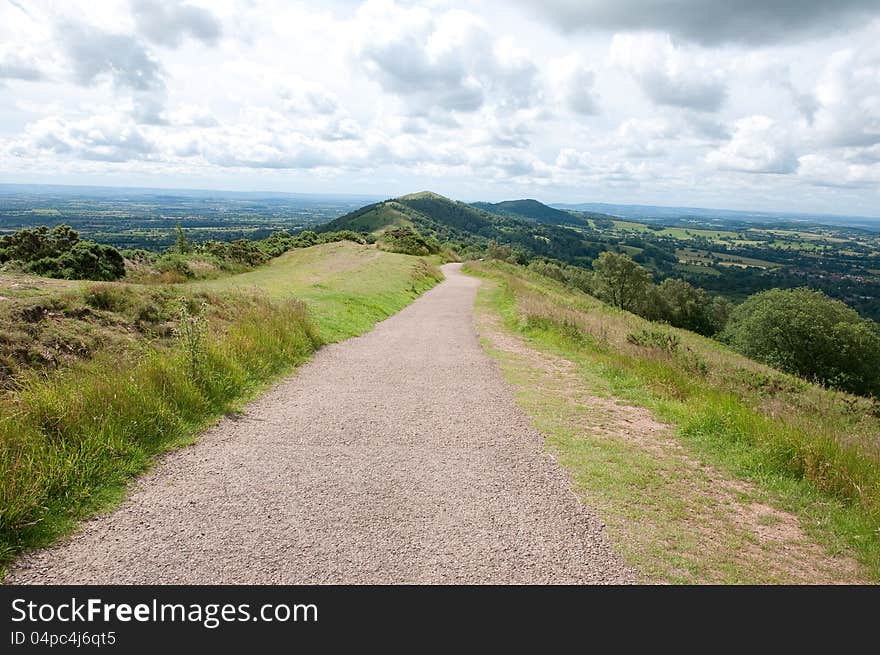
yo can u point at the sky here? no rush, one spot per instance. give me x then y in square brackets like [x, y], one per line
[757, 104]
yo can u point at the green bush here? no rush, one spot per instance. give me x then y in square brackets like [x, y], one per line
[807, 333]
[172, 262]
[60, 253]
[409, 242]
[653, 338]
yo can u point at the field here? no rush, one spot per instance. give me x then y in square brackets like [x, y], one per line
[165, 362]
[707, 466]
[145, 218]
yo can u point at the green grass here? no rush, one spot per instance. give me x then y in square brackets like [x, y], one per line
[70, 441]
[346, 286]
[683, 233]
[814, 452]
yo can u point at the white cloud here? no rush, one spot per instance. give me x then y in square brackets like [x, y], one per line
[382, 96]
[445, 62]
[168, 22]
[848, 99]
[669, 75]
[758, 145]
[109, 137]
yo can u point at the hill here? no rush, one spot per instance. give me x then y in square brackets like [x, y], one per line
[468, 228]
[534, 210]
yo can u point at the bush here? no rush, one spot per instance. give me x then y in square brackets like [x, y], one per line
[807, 333]
[653, 338]
[409, 242]
[60, 253]
[172, 262]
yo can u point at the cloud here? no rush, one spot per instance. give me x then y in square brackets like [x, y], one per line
[710, 21]
[448, 62]
[94, 53]
[306, 98]
[575, 85]
[669, 75]
[758, 145]
[847, 95]
[169, 22]
[107, 137]
[821, 170]
[16, 67]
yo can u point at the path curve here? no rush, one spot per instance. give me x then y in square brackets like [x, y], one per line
[395, 457]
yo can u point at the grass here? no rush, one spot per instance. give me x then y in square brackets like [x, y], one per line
[811, 451]
[683, 233]
[70, 441]
[346, 286]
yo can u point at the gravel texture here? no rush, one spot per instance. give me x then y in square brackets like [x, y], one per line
[396, 457]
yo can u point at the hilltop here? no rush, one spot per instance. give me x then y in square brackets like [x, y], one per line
[469, 229]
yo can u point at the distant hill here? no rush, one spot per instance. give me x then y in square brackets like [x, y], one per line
[667, 214]
[466, 226]
[534, 210]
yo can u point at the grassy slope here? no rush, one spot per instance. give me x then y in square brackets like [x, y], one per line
[808, 451]
[71, 441]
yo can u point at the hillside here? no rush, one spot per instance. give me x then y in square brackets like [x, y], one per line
[534, 210]
[102, 377]
[706, 465]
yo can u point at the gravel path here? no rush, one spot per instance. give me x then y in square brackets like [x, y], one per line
[396, 457]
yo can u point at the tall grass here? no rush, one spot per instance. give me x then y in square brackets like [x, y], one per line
[817, 449]
[67, 440]
[70, 440]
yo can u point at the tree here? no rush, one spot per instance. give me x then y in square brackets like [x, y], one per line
[182, 245]
[688, 307]
[807, 333]
[620, 281]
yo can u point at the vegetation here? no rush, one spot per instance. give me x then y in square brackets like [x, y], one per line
[408, 241]
[59, 253]
[620, 281]
[811, 451]
[70, 441]
[807, 333]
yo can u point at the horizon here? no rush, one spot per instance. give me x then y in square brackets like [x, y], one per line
[381, 197]
[773, 106]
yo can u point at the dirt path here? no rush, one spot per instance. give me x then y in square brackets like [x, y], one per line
[399, 456]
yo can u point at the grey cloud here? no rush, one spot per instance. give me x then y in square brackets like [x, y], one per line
[701, 95]
[169, 22]
[461, 75]
[94, 52]
[15, 68]
[94, 139]
[403, 67]
[580, 96]
[710, 21]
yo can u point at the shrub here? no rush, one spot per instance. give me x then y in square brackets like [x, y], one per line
[174, 263]
[409, 242]
[60, 253]
[107, 297]
[653, 338]
[807, 333]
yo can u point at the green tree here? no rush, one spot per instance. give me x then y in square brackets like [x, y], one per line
[182, 244]
[620, 281]
[688, 307]
[807, 333]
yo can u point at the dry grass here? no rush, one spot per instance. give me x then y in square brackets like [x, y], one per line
[814, 450]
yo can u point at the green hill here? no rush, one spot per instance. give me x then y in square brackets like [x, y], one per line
[465, 227]
[534, 210]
